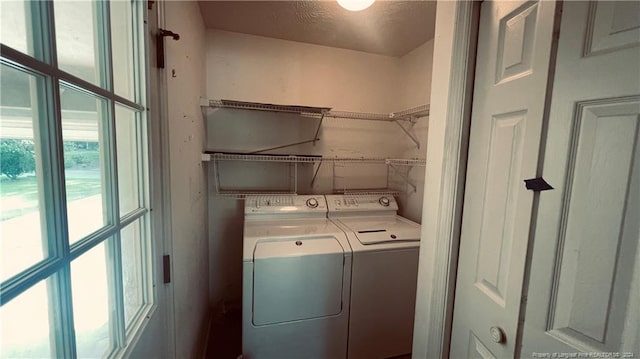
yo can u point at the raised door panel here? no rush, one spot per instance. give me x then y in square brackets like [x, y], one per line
[611, 26]
[594, 275]
[500, 201]
[477, 349]
[515, 43]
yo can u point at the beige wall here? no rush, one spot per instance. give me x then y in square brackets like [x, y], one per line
[261, 69]
[416, 87]
[185, 66]
[416, 77]
[253, 68]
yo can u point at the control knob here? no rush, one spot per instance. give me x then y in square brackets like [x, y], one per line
[312, 203]
[384, 201]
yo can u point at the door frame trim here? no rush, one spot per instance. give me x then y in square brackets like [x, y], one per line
[163, 158]
[449, 122]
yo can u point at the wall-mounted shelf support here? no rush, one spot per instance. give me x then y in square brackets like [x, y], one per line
[285, 146]
[408, 133]
[315, 137]
[315, 174]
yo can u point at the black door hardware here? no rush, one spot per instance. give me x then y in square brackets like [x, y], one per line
[537, 184]
[162, 33]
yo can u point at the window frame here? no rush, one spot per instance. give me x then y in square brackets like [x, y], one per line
[55, 269]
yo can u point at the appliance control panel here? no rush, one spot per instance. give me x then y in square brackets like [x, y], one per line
[361, 203]
[285, 204]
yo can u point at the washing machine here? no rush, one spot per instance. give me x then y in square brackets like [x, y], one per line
[384, 274]
[296, 279]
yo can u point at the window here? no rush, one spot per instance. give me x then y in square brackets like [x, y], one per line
[75, 248]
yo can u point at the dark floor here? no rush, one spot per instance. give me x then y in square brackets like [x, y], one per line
[225, 335]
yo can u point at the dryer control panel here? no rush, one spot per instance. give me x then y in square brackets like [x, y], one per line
[361, 203]
[290, 205]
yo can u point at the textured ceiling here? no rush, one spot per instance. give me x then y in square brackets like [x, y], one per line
[387, 27]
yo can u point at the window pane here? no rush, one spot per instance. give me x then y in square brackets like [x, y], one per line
[16, 30]
[82, 118]
[122, 48]
[91, 303]
[128, 144]
[24, 325]
[77, 42]
[20, 188]
[132, 269]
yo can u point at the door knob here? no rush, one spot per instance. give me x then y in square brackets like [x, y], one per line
[497, 334]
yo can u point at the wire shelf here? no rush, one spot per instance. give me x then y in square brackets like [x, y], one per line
[398, 166]
[372, 192]
[411, 115]
[244, 194]
[317, 112]
[420, 111]
[219, 156]
[242, 105]
[340, 160]
[361, 116]
[406, 115]
[406, 162]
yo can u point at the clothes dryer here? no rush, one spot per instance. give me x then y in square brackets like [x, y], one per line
[384, 274]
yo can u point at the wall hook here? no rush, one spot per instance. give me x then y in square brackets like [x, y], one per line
[162, 33]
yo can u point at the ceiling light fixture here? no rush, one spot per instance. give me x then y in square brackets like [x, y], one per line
[355, 5]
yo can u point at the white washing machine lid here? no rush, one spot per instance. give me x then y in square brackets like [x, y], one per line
[382, 229]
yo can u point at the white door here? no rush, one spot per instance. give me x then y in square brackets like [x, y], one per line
[512, 67]
[584, 290]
